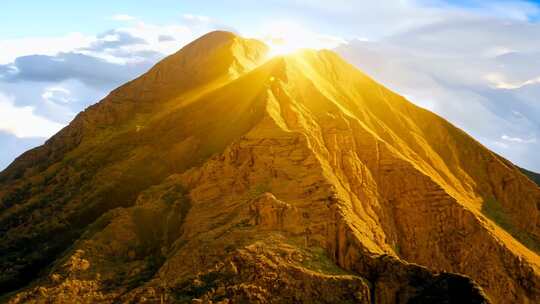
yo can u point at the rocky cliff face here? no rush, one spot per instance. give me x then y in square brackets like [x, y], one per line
[222, 176]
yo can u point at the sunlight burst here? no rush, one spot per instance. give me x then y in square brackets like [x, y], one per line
[285, 37]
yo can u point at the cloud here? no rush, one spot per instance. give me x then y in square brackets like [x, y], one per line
[176, 35]
[518, 140]
[106, 60]
[500, 145]
[13, 146]
[123, 17]
[498, 81]
[114, 39]
[57, 95]
[10, 49]
[23, 122]
[378, 19]
[474, 69]
[166, 38]
[88, 69]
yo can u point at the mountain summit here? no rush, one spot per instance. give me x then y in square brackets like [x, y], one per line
[225, 176]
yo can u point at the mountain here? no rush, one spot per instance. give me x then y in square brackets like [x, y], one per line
[222, 175]
[535, 177]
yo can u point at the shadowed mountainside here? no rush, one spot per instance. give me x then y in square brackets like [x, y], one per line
[222, 174]
[535, 177]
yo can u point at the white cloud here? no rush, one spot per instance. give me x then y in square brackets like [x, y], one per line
[57, 95]
[123, 17]
[23, 122]
[140, 41]
[518, 140]
[13, 48]
[501, 145]
[498, 51]
[499, 81]
[477, 70]
[151, 33]
[378, 19]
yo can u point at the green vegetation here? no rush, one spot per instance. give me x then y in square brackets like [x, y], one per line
[317, 258]
[494, 211]
[319, 261]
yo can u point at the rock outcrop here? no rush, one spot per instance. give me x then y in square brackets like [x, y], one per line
[222, 176]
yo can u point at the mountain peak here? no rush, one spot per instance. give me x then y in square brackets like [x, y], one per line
[218, 56]
[214, 37]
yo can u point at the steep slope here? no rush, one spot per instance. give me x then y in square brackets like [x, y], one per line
[535, 177]
[296, 179]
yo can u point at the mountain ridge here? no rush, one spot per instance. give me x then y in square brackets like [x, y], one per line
[535, 177]
[298, 146]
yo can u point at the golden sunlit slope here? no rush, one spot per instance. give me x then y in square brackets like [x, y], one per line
[222, 174]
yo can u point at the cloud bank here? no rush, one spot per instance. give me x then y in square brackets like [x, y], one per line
[481, 72]
[33, 125]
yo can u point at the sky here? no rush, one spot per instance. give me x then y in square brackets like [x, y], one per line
[475, 63]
